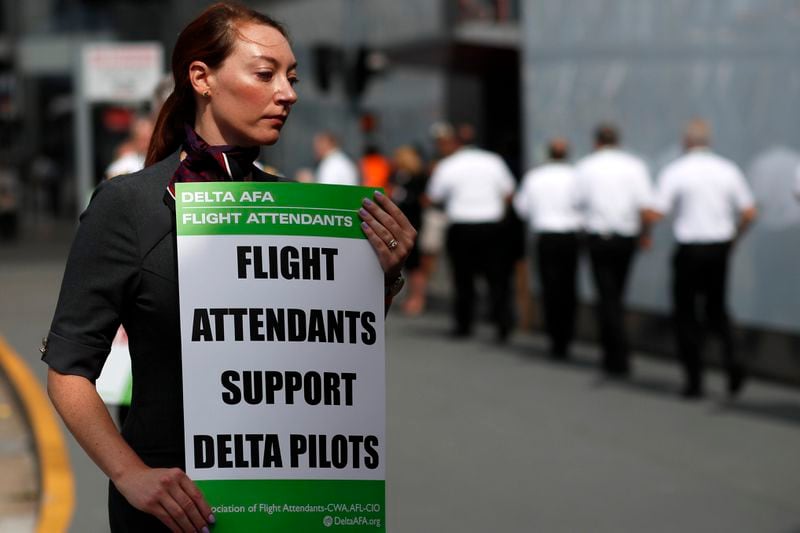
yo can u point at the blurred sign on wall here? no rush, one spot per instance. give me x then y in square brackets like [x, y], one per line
[115, 72]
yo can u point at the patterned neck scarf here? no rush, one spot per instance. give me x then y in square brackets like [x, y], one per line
[212, 163]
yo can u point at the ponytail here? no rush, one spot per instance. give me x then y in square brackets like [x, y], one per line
[168, 133]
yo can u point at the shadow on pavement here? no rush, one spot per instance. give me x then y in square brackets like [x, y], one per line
[644, 384]
[533, 347]
[778, 411]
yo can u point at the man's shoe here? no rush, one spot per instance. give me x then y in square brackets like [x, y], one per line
[736, 382]
[559, 352]
[692, 392]
[460, 333]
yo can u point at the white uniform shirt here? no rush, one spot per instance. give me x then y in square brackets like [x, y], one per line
[473, 184]
[613, 188]
[127, 164]
[707, 192]
[547, 199]
[337, 169]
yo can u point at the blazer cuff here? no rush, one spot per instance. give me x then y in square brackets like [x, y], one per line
[73, 358]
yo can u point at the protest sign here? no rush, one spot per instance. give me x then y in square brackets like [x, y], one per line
[282, 335]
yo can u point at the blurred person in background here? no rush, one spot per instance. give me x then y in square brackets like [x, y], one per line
[45, 177]
[615, 194]
[466, 134]
[475, 187]
[9, 204]
[130, 155]
[713, 207]
[408, 183]
[234, 74]
[376, 169]
[335, 167]
[434, 220]
[546, 199]
[514, 230]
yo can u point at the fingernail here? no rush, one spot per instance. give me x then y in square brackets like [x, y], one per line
[364, 225]
[362, 212]
[367, 201]
[205, 530]
[211, 519]
[379, 194]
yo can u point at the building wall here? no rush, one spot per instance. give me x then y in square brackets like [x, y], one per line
[406, 100]
[649, 65]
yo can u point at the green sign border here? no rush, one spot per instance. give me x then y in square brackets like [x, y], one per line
[298, 505]
[302, 209]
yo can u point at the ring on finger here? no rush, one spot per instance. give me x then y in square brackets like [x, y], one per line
[392, 244]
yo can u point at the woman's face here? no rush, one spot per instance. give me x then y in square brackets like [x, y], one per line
[251, 92]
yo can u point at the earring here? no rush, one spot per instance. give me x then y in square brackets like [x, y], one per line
[207, 94]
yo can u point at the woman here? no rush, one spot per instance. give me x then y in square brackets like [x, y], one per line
[234, 74]
[408, 189]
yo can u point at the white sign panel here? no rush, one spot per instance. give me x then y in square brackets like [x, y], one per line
[282, 342]
[121, 72]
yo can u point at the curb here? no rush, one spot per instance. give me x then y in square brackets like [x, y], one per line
[57, 485]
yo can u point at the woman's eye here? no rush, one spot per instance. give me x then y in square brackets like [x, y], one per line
[264, 75]
[294, 81]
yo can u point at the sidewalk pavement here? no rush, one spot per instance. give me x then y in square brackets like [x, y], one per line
[19, 491]
[488, 438]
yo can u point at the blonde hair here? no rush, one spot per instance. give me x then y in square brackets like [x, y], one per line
[406, 158]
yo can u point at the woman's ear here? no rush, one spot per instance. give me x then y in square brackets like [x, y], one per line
[200, 77]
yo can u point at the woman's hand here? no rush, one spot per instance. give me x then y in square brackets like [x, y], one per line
[390, 233]
[166, 493]
[169, 495]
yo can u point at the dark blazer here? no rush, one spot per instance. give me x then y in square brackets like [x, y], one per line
[122, 269]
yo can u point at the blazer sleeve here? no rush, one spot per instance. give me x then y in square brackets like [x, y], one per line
[100, 276]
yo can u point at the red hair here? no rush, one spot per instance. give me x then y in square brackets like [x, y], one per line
[209, 38]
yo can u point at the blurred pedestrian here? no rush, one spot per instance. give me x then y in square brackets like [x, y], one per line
[475, 187]
[431, 242]
[9, 204]
[713, 206]
[130, 155]
[234, 74]
[547, 200]
[335, 167]
[615, 193]
[376, 169]
[408, 183]
[466, 134]
[46, 178]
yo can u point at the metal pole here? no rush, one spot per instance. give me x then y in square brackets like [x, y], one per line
[83, 137]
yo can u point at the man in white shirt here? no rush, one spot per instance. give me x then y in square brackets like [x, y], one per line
[546, 199]
[334, 166]
[614, 192]
[130, 155]
[713, 206]
[475, 187]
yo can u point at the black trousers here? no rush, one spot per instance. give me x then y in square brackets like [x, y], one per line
[611, 260]
[700, 274]
[479, 250]
[557, 262]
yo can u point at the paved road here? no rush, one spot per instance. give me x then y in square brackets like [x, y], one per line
[482, 438]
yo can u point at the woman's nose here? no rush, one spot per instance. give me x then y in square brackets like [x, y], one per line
[286, 94]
